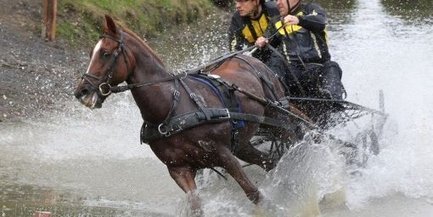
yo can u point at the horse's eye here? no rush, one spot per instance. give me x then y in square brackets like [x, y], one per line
[105, 54]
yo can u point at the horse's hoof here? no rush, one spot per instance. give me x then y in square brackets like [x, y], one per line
[255, 197]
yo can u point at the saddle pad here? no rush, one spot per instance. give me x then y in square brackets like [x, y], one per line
[224, 93]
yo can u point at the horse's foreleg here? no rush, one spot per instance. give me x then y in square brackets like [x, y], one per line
[184, 178]
[234, 168]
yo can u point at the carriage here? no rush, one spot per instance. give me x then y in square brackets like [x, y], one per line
[233, 108]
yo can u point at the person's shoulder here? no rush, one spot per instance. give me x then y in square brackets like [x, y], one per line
[236, 17]
[237, 21]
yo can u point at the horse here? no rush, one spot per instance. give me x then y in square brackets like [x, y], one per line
[121, 56]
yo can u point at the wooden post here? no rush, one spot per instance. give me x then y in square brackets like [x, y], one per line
[49, 22]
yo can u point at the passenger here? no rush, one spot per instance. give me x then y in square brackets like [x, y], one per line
[254, 19]
[304, 45]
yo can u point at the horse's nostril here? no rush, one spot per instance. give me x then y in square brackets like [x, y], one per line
[84, 92]
[79, 93]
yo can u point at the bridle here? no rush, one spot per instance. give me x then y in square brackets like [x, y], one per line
[104, 87]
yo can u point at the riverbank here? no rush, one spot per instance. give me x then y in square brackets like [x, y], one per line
[80, 20]
[38, 76]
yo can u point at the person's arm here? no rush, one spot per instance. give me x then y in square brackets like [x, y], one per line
[315, 20]
[270, 39]
[273, 17]
[236, 41]
[272, 32]
[269, 36]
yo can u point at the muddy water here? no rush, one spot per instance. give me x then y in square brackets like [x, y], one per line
[90, 163]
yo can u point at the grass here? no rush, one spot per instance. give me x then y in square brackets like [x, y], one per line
[80, 20]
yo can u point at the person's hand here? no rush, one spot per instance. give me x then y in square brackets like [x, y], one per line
[261, 42]
[291, 20]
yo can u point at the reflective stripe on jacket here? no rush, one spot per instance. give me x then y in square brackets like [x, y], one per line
[244, 31]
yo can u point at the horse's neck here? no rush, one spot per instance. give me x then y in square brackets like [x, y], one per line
[154, 100]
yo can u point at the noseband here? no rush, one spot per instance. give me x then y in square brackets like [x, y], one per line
[104, 87]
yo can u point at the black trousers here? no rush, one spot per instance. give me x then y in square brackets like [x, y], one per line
[315, 80]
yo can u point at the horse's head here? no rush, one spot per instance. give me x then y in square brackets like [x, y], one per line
[108, 67]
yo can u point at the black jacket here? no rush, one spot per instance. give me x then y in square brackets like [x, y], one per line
[307, 41]
[244, 31]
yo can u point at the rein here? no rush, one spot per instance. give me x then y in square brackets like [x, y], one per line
[184, 74]
[118, 89]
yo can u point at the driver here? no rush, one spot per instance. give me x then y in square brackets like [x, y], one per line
[304, 46]
[254, 19]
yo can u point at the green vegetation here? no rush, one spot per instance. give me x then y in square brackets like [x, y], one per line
[80, 20]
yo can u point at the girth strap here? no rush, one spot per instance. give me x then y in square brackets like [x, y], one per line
[185, 121]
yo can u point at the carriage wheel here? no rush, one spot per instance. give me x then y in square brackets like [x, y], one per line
[367, 145]
[278, 148]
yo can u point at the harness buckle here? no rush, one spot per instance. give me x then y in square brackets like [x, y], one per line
[227, 113]
[193, 96]
[176, 94]
[105, 89]
[162, 129]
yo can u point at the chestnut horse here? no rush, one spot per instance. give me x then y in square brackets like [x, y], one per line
[120, 55]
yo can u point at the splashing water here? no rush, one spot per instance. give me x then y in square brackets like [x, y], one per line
[95, 155]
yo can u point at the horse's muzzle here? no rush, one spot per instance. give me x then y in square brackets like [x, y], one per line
[92, 101]
[80, 92]
[88, 97]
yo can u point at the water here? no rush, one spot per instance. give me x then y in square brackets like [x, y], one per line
[392, 53]
[90, 163]
[83, 163]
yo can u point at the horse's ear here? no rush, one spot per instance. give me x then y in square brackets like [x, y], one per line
[109, 26]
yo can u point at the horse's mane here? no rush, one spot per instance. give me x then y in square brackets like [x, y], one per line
[143, 42]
